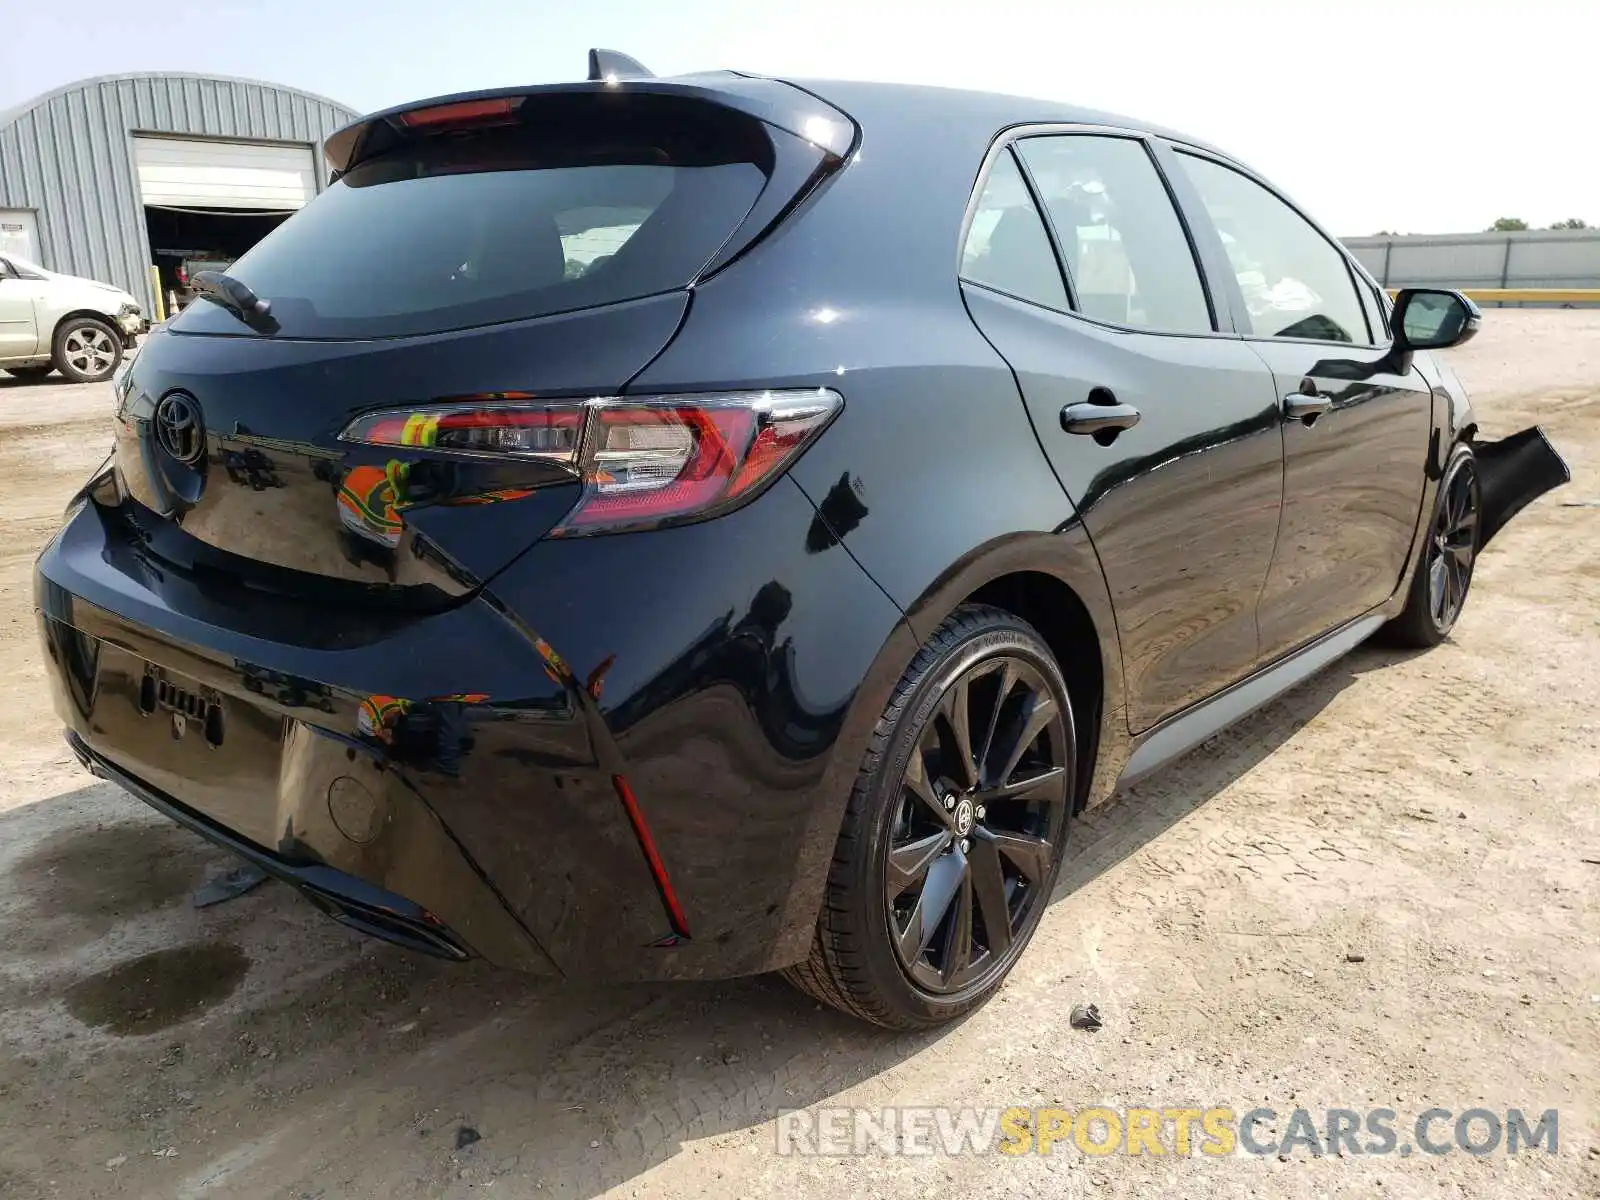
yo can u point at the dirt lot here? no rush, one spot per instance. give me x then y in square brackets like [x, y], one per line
[1434, 815]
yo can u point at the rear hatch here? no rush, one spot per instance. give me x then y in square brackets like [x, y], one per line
[509, 249]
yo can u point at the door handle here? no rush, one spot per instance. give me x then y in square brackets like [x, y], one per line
[1305, 406]
[1091, 418]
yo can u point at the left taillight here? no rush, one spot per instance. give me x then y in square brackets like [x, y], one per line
[643, 461]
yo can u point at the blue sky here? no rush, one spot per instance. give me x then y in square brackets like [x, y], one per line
[1416, 115]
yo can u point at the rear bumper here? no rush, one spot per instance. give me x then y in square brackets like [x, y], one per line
[461, 765]
[253, 760]
[345, 898]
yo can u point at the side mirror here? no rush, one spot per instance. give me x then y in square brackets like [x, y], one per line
[1433, 319]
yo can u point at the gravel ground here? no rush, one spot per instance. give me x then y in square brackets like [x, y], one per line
[1381, 891]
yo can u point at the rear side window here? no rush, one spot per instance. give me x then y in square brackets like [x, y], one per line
[1296, 283]
[1007, 248]
[581, 202]
[1126, 250]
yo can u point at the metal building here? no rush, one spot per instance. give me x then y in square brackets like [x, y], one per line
[1560, 259]
[109, 177]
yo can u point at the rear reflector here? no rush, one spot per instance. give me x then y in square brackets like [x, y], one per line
[652, 857]
[643, 462]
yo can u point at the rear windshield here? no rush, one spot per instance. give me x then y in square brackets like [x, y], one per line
[584, 201]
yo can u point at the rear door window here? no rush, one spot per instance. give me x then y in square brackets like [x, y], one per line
[577, 204]
[1127, 253]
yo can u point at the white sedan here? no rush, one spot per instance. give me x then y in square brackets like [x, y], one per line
[53, 322]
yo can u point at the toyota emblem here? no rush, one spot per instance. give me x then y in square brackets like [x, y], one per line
[179, 428]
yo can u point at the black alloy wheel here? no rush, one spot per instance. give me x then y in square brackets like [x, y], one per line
[955, 830]
[1443, 576]
[1453, 544]
[982, 811]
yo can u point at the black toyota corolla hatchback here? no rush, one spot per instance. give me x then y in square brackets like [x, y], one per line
[680, 528]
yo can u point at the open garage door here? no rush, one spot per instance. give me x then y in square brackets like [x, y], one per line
[188, 172]
[207, 202]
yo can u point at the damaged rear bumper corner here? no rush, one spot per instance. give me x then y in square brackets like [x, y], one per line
[346, 898]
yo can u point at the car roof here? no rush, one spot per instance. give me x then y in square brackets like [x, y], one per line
[964, 113]
[963, 120]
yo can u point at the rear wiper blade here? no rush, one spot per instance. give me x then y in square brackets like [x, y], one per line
[235, 296]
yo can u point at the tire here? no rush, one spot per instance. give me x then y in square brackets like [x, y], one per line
[889, 947]
[86, 350]
[29, 374]
[1443, 577]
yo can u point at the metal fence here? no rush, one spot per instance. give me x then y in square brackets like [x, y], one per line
[1562, 259]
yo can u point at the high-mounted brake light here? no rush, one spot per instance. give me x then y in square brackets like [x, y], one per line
[643, 462]
[463, 112]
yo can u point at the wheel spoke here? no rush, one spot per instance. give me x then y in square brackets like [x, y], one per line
[1030, 725]
[938, 891]
[909, 863]
[956, 708]
[957, 960]
[1046, 784]
[1436, 587]
[1030, 855]
[917, 782]
[989, 890]
[1008, 680]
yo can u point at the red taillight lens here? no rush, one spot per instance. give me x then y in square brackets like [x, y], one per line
[643, 462]
[503, 429]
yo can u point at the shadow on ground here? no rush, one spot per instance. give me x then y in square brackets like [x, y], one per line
[1118, 829]
[283, 1055]
[54, 379]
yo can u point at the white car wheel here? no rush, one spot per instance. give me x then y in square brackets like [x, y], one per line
[87, 350]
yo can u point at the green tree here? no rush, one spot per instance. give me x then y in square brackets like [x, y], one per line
[1507, 225]
[1571, 223]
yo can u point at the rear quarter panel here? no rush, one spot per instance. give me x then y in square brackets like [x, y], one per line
[931, 476]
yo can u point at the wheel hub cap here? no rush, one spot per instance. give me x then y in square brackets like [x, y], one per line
[964, 818]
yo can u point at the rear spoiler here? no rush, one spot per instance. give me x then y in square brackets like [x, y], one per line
[778, 104]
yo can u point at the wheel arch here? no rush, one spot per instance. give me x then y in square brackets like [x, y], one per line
[1053, 582]
[81, 314]
[1058, 614]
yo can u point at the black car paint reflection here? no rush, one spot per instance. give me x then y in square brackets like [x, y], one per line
[444, 724]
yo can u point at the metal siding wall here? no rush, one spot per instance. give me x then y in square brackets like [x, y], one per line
[1527, 259]
[70, 159]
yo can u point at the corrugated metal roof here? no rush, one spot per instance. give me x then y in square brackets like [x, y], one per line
[68, 155]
